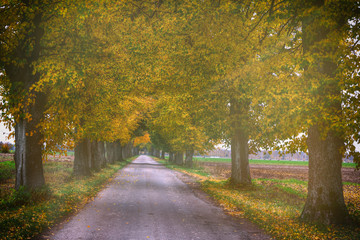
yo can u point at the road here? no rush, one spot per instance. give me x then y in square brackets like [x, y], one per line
[147, 201]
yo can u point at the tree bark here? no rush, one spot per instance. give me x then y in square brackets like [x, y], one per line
[129, 149]
[189, 158]
[28, 152]
[101, 147]
[240, 170]
[97, 156]
[325, 201]
[136, 151]
[171, 157]
[82, 160]
[157, 153]
[94, 157]
[162, 154]
[152, 152]
[28, 141]
[109, 150]
[124, 152]
[119, 152]
[179, 158]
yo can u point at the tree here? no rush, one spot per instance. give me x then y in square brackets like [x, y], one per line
[21, 34]
[245, 38]
[93, 88]
[324, 29]
[321, 106]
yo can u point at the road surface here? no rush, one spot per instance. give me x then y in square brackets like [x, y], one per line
[147, 201]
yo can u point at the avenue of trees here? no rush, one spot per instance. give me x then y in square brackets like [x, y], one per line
[106, 77]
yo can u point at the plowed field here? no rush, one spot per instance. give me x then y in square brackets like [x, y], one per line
[274, 171]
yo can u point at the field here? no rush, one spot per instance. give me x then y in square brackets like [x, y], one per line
[272, 169]
[260, 161]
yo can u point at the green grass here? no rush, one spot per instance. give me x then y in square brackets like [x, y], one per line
[198, 171]
[69, 153]
[7, 170]
[25, 214]
[266, 162]
[350, 165]
[66, 153]
[220, 160]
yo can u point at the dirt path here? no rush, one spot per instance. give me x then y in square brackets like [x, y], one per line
[276, 171]
[148, 201]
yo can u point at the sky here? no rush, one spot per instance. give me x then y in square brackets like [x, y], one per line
[4, 133]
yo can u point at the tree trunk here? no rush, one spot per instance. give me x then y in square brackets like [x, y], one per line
[189, 158]
[82, 160]
[171, 157]
[325, 201]
[157, 153]
[110, 155]
[97, 156]
[240, 170]
[124, 152]
[28, 154]
[19, 70]
[119, 152]
[129, 149]
[179, 158]
[94, 157]
[152, 151]
[162, 154]
[28, 142]
[105, 153]
[101, 147]
[136, 151]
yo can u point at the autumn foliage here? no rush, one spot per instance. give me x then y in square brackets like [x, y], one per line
[105, 77]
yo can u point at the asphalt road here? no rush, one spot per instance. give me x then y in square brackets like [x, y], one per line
[147, 201]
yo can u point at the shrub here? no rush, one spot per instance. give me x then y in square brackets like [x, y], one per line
[5, 147]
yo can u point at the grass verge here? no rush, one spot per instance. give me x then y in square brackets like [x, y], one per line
[7, 170]
[276, 204]
[23, 215]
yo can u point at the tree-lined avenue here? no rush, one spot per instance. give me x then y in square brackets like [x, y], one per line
[109, 79]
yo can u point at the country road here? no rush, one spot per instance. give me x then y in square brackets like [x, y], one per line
[147, 201]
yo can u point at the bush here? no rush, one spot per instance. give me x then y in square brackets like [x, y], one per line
[5, 147]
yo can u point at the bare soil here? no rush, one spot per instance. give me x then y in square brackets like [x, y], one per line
[6, 157]
[223, 170]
